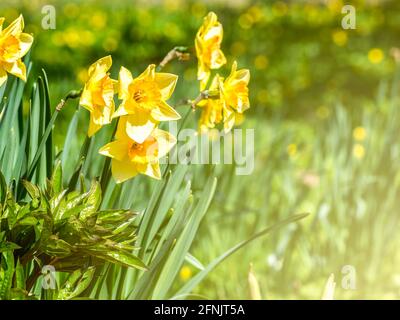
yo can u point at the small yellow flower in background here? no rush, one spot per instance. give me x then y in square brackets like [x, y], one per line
[359, 134]
[291, 150]
[143, 101]
[262, 96]
[261, 62]
[358, 151]
[375, 55]
[323, 112]
[208, 43]
[98, 95]
[129, 157]
[339, 37]
[14, 44]
[246, 21]
[235, 95]
[185, 273]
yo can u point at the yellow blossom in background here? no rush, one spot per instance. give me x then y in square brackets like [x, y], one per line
[339, 37]
[246, 21]
[375, 55]
[185, 273]
[280, 8]
[335, 5]
[14, 44]
[238, 48]
[208, 42]
[144, 101]
[98, 94]
[235, 95]
[130, 158]
[292, 150]
[256, 12]
[323, 112]
[262, 96]
[359, 134]
[358, 151]
[261, 62]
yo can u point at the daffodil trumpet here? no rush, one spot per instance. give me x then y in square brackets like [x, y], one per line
[130, 158]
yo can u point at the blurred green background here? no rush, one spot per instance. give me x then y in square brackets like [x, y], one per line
[324, 105]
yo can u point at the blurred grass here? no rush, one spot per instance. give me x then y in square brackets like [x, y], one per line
[325, 112]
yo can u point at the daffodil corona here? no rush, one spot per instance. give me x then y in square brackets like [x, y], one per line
[208, 51]
[14, 44]
[144, 101]
[130, 157]
[98, 95]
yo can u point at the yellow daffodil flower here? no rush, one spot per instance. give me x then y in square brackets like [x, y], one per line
[98, 95]
[235, 95]
[211, 108]
[231, 101]
[208, 43]
[14, 44]
[130, 157]
[144, 101]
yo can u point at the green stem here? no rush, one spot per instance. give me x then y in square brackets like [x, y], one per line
[106, 173]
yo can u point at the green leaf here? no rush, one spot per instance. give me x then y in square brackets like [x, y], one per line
[56, 179]
[177, 256]
[6, 282]
[8, 246]
[76, 283]
[188, 287]
[92, 202]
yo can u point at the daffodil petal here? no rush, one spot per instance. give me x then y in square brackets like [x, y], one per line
[123, 170]
[17, 68]
[25, 42]
[217, 59]
[86, 99]
[93, 127]
[215, 32]
[151, 169]
[149, 72]
[166, 83]
[164, 112]
[165, 141]
[124, 79]
[14, 27]
[101, 66]
[3, 77]
[116, 149]
[1, 23]
[229, 120]
[120, 112]
[139, 126]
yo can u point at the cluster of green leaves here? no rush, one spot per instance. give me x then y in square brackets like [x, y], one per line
[63, 229]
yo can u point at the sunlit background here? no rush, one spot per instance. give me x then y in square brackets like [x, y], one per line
[325, 107]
